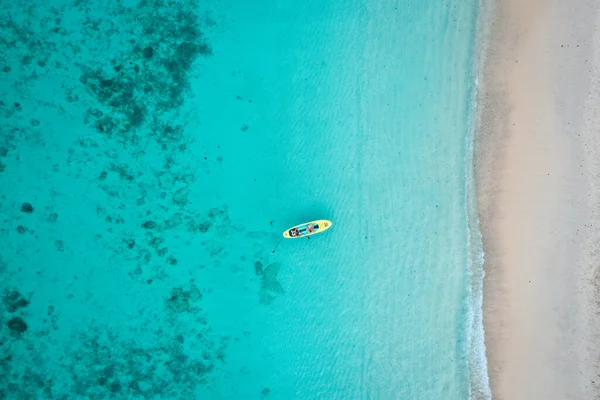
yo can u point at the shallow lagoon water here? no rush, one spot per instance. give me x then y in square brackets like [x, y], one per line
[164, 147]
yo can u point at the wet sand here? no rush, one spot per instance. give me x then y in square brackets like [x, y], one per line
[537, 177]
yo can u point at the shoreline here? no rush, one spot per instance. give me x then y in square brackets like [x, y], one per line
[535, 161]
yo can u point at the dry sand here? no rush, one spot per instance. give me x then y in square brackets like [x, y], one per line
[537, 178]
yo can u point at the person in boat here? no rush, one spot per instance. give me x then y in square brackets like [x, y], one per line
[310, 228]
[294, 232]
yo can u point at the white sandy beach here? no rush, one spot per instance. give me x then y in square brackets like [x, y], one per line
[537, 176]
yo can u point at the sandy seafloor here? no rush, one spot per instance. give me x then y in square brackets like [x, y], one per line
[152, 153]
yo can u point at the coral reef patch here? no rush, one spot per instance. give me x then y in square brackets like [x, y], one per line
[13, 301]
[149, 77]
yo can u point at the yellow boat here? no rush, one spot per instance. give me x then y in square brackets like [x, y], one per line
[307, 229]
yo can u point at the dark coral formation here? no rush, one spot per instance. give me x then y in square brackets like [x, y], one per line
[171, 260]
[258, 268]
[105, 366]
[216, 217]
[149, 225]
[17, 325]
[32, 384]
[3, 153]
[175, 362]
[26, 54]
[183, 301]
[157, 234]
[59, 244]
[140, 85]
[180, 197]
[26, 208]
[129, 96]
[13, 301]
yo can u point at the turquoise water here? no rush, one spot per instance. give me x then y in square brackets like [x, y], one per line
[151, 155]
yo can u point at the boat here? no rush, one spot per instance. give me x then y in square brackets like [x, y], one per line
[304, 230]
